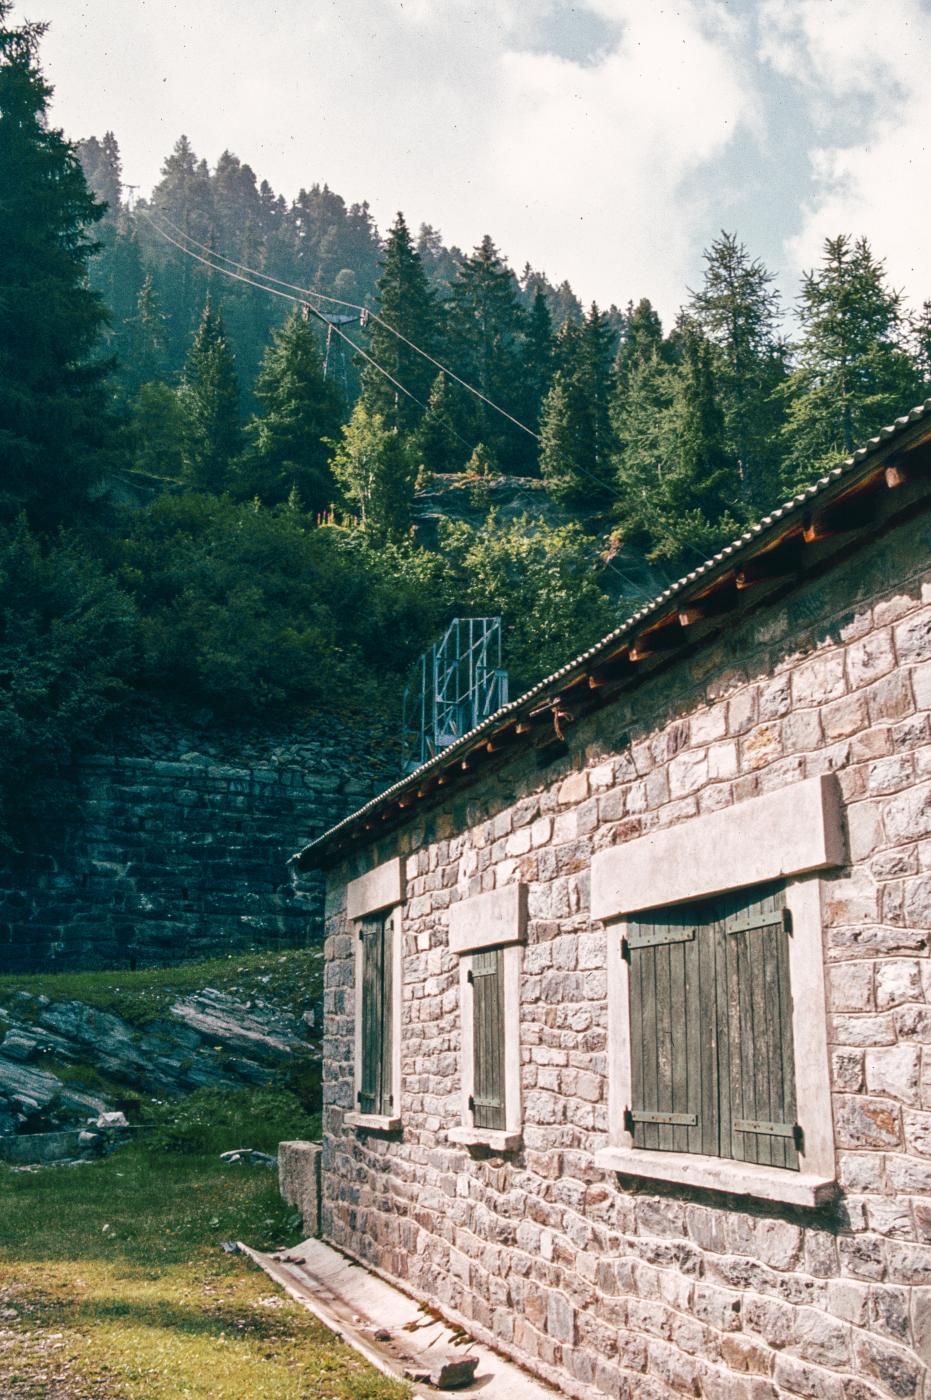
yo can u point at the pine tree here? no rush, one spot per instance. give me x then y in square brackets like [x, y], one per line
[299, 413]
[678, 483]
[145, 339]
[737, 310]
[485, 321]
[436, 443]
[407, 305]
[209, 399]
[376, 474]
[577, 441]
[54, 422]
[103, 169]
[854, 371]
[536, 358]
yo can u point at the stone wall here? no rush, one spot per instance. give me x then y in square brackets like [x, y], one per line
[172, 844]
[650, 1291]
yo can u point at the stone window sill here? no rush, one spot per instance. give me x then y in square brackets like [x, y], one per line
[717, 1174]
[497, 1140]
[372, 1122]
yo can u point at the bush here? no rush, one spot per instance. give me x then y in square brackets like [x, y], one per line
[211, 1121]
[248, 608]
[541, 579]
[67, 647]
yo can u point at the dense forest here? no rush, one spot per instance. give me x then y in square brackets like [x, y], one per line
[278, 378]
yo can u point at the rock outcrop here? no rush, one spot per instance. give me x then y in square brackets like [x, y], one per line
[207, 1039]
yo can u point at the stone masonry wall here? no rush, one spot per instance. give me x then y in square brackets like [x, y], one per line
[646, 1291]
[173, 845]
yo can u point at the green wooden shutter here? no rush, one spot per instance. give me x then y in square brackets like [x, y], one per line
[487, 976]
[671, 1073]
[375, 1078]
[757, 1092]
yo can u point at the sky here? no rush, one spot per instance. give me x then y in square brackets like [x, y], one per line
[606, 142]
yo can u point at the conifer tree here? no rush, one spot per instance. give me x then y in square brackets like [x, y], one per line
[145, 339]
[436, 443]
[485, 321]
[576, 437]
[299, 414]
[54, 422]
[854, 371]
[209, 399]
[537, 358]
[406, 303]
[737, 310]
[678, 483]
[376, 473]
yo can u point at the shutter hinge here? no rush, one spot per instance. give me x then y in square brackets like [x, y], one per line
[798, 1137]
[470, 977]
[471, 1104]
[625, 954]
[359, 1098]
[628, 1115]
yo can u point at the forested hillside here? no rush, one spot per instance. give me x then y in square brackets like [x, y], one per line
[277, 377]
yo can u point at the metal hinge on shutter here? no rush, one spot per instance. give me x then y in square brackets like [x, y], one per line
[768, 1129]
[751, 921]
[655, 938]
[685, 1120]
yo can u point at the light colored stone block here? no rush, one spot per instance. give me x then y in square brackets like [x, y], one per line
[299, 1180]
[489, 920]
[788, 832]
[379, 888]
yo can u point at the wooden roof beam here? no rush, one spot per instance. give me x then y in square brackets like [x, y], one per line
[782, 561]
[714, 604]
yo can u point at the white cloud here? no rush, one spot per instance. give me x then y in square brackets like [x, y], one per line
[447, 109]
[863, 68]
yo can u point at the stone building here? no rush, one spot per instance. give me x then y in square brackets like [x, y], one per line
[628, 1032]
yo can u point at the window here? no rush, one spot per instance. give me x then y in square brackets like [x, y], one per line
[711, 1052]
[717, 1032]
[375, 1094]
[374, 912]
[487, 932]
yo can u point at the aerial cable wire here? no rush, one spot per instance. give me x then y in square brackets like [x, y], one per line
[338, 301]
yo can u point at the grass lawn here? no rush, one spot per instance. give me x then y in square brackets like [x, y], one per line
[114, 1286]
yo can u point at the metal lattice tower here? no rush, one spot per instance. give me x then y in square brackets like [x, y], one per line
[457, 683]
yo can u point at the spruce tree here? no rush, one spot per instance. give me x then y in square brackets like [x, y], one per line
[485, 321]
[406, 304]
[737, 310]
[54, 423]
[536, 358]
[678, 483]
[436, 443]
[299, 413]
[854, 371]
[577, 441]
[209, 399]
[377, 475]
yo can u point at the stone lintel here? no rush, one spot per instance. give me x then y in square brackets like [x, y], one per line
[489, 920]
[379, 888]
[792, 831]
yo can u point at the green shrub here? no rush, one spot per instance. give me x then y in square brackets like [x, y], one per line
[211, 1121]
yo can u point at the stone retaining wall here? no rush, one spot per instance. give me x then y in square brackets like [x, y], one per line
[173, 845]
[602, 1285]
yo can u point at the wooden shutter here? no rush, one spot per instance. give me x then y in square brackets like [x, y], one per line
[487, 977]
[671, 1070]
[375, 1077]
[758, 1106]
[711, 1046]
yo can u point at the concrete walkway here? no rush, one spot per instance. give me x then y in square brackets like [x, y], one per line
[398, 1335]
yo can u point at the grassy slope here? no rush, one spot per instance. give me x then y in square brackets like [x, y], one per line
[113, 1286]
[292, 979]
